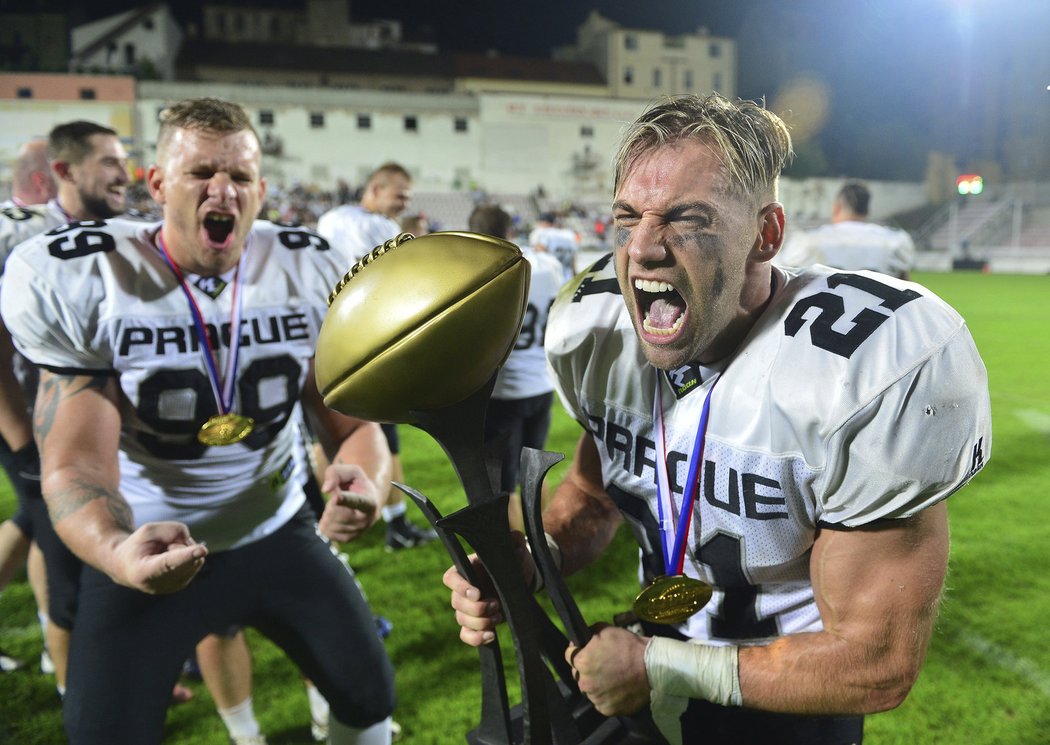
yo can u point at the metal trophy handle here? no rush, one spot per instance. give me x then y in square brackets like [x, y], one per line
[552, 710]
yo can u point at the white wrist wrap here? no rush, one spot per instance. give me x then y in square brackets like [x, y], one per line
[537, 578]
[693, 670]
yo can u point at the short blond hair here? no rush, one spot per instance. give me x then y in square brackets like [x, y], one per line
[753, 142]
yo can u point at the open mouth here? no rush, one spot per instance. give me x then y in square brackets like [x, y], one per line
[661, 307]
[218, 226]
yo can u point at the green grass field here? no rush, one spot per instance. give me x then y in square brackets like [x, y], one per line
[987, 677]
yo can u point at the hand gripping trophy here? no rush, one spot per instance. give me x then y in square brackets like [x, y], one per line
[447, 307]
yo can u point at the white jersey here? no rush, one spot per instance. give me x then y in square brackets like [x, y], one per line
[851, 245]
[855, 398]
[561, 243]
[524, 374]
[353, 231]
[18, 223]
[98, 298]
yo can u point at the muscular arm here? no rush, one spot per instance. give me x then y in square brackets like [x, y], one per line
[581, 517]
[77, 426]
[878, 592]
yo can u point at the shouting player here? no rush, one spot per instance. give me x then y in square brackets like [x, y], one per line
[785, 439]
[176, 359]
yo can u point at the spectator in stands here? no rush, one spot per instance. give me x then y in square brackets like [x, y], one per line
[353, 230]
[850, 241]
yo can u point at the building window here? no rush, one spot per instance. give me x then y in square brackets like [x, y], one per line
[714, 49]
[266, 117]
[364, 121]
[129, 54]
[460, 124]
[630, 41]
[658, 77]
[24, 93]
[316, 120]
[87, 94]
[238, 23]
[411, 124]
[586, 131]
[628, 75]
[687, 80]
[716, 82]
[148, 24]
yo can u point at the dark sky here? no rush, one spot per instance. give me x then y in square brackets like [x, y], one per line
[888, 68]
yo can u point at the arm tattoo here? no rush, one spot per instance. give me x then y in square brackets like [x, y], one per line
[50, 393]
[65, 502]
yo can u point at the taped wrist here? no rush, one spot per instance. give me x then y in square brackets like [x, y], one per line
[537, 576]
[694, 670]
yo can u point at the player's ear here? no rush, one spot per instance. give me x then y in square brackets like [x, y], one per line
[155, 183]
[61, 170]
[770, 232]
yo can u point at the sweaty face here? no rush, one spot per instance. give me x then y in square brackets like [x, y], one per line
[391, 197]
[101, 180]
[683, 248]
[211, 190]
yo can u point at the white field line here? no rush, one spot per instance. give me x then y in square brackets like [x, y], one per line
[1036, 419]
[1003, 658]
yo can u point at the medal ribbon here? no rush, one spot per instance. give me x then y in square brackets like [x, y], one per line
[223, 397]
[675, 559]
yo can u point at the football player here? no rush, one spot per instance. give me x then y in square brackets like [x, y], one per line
[353, 230]
[31, 184]
[786, 439]
[176, 359]
[850, 241]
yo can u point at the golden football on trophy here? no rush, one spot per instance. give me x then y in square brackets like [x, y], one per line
[420, 324]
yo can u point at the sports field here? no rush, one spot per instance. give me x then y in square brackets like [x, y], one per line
[987, 677]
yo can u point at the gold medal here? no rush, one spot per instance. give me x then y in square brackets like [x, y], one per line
[671, 599]
[225, 429]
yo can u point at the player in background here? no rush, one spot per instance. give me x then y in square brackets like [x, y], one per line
[31, 184]
[850, 241]
[560, 242]
[353, 230]
[808, 424]
[519, 412]
[171, 454]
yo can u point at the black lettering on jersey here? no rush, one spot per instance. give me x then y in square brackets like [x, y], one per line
[18, 214]
[167, 340]
[645, 528]
[756, 505]
[175, 436]
[737, 614]
[533, 327]
[82, 242]
[295, 326]
[591, 286]
[832, 308]
[298, 237]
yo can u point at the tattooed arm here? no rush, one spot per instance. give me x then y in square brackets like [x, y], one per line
[77, 427]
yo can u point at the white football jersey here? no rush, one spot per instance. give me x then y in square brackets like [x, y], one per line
[18, 223]
[851, 245]
[855, 398]
[561, 243]
[353, 231]
[99, 298]
[524, 374]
